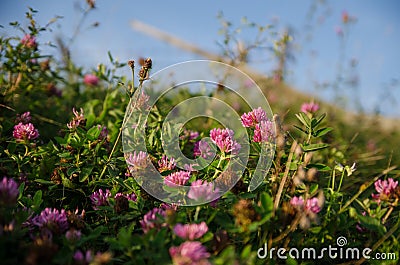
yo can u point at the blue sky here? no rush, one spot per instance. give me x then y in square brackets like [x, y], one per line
[373, 40]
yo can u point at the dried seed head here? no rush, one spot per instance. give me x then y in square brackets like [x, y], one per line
[121, 204]
[312, 174]
[226, 179]
[244, 213]
[131, 64]
[300, 176]
[220, 241]
[56, 176]
[148, 64]
[142, 73]
[141, 61]
[91, 3]
[307, 158]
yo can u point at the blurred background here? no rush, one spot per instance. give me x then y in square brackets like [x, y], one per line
[343, 52]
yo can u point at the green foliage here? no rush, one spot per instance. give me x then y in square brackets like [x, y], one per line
[67, 165]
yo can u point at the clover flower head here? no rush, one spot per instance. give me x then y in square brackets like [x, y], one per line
[137, 160]
[189, 253]
[310, 107]
[100, 198]
[25, 117]
[165, 164]
[90, 80]
[190, 231]
[29, 41]
[130, 197]
[153, 219]
[264, 131]
[24, 132]
[78, 120]
[51, 221]
[385, 189]
[8, 191]
[203, 149]
[223, 138]
[203, 191]
[176, 179]
[253, 117]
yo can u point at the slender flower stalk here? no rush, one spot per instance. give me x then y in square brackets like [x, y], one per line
[143, 75]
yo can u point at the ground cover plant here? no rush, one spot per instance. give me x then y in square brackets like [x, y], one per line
[69, 194]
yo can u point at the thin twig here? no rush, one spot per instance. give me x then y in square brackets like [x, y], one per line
[285, 176]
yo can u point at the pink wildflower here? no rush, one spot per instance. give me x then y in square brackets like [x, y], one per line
[165, 164]
[104, 132]
[137, 160]
[73, 235]
[203, 191]
[203, 149]
[253, 117]
[25, 118]
[297, 201]
[129, 197]
[51, 221]
[177, 178]
[385, 189]
[8, 191]
[339, 31]
[90, 80]
[264, 132]
[190, 167]
[29, 41]
[309, 209]
[153, 219]
[191, 231]
[312, 205]
[309, 107]
[142, 101]
[78, 120]
[223, 138]
[83, 259]
[100, 198]
[189, 253]
[25, 132]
